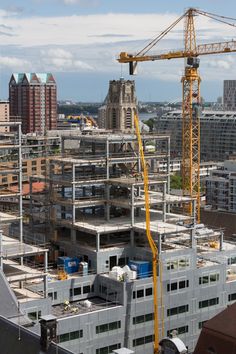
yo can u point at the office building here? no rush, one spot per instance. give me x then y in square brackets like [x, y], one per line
[230, 95]
[33, 101]
[218, 133]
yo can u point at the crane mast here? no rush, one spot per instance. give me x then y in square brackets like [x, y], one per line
[190, 124]
[190, 119]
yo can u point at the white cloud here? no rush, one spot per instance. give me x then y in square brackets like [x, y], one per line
[59, 59]
[14, 63]
[83, 43]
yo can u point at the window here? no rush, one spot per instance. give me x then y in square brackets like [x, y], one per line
[143, 318]
[140, 293]
[86, 289]
[209, 278]
[143, 340]
[108, 350]
[180, 330]
[148, 292]
[14, 178]
[77, 291]
[53, 295]
[34, 316]
[34, 163]
[108, 327]
[209, 302]
[70, 336]
[232, 297]
[4, 180]
[177, 310]
[232, 260]
[200, 324]
[182, 284]
[178, 263]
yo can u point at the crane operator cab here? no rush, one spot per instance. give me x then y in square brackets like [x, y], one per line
[172, 345]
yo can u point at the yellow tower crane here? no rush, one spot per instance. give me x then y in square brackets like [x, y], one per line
[191, 92]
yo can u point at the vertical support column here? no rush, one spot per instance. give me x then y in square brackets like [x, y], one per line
[31, 222]
[20, 187]
[1, 255]
[107, 211]
[98, 242]
[62, 145]
[46, 276]
[107, 159]
[132, 238]
[73, 193]
[132, 205]
[168, 165]
[164, 202]
[192, 235]
[221, 240]
[159, 244]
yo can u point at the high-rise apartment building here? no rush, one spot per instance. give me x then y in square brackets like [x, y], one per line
[230, 95]
[4, 115]
[33, 100]
[120, 106]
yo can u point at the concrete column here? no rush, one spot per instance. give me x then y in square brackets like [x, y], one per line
[132, 204]
[159, 244]
[73, 236]
[164, 202]
[1, 255]
[221, 240]
[73, 194]
[192, 238]
[107, 159]
[46, 276]
[107, 210]
[98, 242]
[194, 203]
[132, 238]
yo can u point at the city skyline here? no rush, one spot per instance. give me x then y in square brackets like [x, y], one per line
[79, 41]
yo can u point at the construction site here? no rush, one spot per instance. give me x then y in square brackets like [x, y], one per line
[106, 255]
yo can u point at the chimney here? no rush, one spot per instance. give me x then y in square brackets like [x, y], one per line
[48, 331]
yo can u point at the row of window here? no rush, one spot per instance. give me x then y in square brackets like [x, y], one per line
[109, 349]
[177, 310]
[178, 264]
[182, 284]
[179, 330]
[143, 340]
[70, 336]
[209, 302]
[140, 293]
[108, 327]
[232, 297]
[143, 318]
[232, 260]
[77, 291]
[209, 279]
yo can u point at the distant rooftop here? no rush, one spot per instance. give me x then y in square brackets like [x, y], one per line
[33, 78]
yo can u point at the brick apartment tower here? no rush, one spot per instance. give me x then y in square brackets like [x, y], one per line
[120, 106]
[33, 100]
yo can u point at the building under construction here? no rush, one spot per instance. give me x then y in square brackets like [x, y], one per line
[92, 214]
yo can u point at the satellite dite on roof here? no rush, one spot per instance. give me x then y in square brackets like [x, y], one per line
[123, 351]
[172, 345]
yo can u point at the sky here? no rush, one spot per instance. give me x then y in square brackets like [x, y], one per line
[80, 40]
